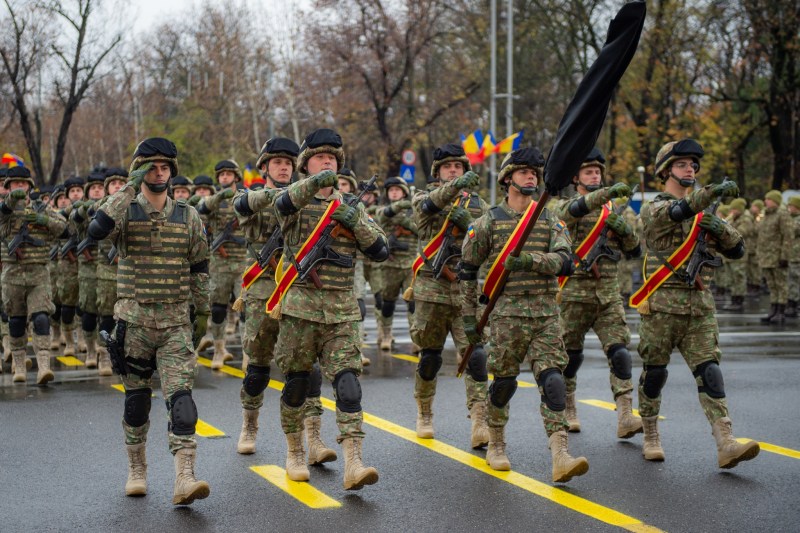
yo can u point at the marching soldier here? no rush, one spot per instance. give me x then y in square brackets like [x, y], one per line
[163, 263]
[677, 313]
[447, 202]
[321, 323]
[59, 202]
[754, 277]
[794, 260]
[775, 234]
[68, 286]
[525, 320]
[3, 315]
[590, 299]
[27, 228]
[742, 221]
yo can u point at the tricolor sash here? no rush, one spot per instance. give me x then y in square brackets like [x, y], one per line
[497, 269]
[430, 249]
[675, 261]
[587, 244]
[286, 279]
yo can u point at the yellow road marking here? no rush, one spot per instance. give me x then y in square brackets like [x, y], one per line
[118, 386]
[773, 448]
[415, 359]
[610, 406]
[231, 371]
[301, 491]
[70, 360]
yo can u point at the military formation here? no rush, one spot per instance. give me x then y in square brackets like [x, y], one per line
[138, 271]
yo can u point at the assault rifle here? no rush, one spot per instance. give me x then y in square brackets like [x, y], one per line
[53, 255]
[266, 256]
[69, 248]
[448, 249]
[112, 254]
[226, 235]
[83, 247]
[394, 240]
[701, 256]
[23, 235]
[322, 251]
[601, 247]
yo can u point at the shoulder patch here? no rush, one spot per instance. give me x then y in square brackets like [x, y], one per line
[471, 232]
[560, 225]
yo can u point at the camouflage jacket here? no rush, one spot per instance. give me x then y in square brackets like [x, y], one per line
[258, 228]
[401, 232]
[663, 235]
[479, 246]
[795, 257]
[11, 222]
[775, 236]
[745, 225]
[230, 257]
[160, 315]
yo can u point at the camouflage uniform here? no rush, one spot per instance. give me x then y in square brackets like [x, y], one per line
[626, 265]
[107, 268]
[775, 234]
[754, 277]
[68, 292]
[794, 261]
[742, 221]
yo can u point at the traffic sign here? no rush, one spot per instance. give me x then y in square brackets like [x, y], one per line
[409, 158]
[407, 173]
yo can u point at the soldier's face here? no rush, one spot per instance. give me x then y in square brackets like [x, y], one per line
[159, 173]
[62, 202]
[226, 177]
[279, 169]
[322, 161]
[75, 194]
[793, 210]
[344, 186]
[525, 177]
[96, 191]
[114, 186]
[202, 191]
[684, 168]
[45, 198]
[20, 184]
[181, 193]
[395, 194]
[769, 204]
[451, 170]
[589, 176]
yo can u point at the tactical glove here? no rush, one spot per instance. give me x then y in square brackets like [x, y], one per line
[471, 329]
[347, 216]
[461, 218]
[398, 206]
[523, 263]
[726, 188]
[408, 224]
[227, 194]
[468, 181]
[618, 225]
[326, 178]
[40, 219]
[194, 200]
[15, 196]
[712, 224]
[199, 328]
[619, 190]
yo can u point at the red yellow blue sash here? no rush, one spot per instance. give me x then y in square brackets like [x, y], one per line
[587, 244]
[497, 269]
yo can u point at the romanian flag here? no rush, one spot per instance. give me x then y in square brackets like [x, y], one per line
[251, 176]
[510, 143]
[473, 147]
[488, 146]
[12, 160]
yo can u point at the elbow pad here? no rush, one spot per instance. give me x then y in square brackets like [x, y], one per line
[430, 208]
[242, 206]
[737, 252]
[285, 206]
[578, 208]
[200, 267]
[467, 272]
[78, 218]
[377, 251]
[101, 226]
[680, 211]
[388, 212]
[636, 252]
[567, 264]
[203, 209]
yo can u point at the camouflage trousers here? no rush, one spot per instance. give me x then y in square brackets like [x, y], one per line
[608, 321]
[336, 347]
[394, 282]
[172, 350]
[106, 297]
[87, 295]
[68, 287]
[224, 286]
[697, 339]
[430, 325]
[512, 341]
[738, 275]
[793, 291]
[722, 275]
[260, 336]
[777, 284]
[625, 276]
[27, 292]
[753, 270]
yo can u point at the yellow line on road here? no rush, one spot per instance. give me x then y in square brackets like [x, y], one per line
[773, 448]
[235, 372]
[69, 360]
[415, 359]
[610, 406]
[118, 386]
[301, 491]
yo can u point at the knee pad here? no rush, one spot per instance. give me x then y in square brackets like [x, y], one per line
[183, 413]
[41, 323]
[137, 407]
[315, 382]
[16, 326]
[412, 306]
[554, 389]
[348, 392]
[4, 316]
[219, 313]
[378, 301]
[430, 362]
[255, 380]
[67, 314]
[387, 309]
[88, 322]
[107, 323]
[620, 359]
[296, 389]
[575, 362]
[653, 380]
[476, 368]
[502, 390]
[57, 313]
[711, 376]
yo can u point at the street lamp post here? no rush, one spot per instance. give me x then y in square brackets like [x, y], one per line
[640, 170]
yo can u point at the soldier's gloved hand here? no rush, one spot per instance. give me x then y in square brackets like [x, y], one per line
[15, 196]
[467, 181]
[326, 178]
[227, 194]
[199, 328]
[347, 216]
[461, 218]
[398, 206]
[40, 219]
[726, 188]
[194, 200]
[137, 176]
[408, 224]
[712, 224]
[362, 307]
[519, 264]
[618, 225]
[783, 263]
[619, 190]
[77, 205]
[471, 329]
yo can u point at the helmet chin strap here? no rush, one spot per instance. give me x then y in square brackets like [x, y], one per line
[685, 183]
[591, 188]
[527, 191]
[278, 184]
[157, 187]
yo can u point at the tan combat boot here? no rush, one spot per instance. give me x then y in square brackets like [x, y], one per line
[480, 431]
[230, 326]
[91, 352]
[731, 452]
[69, 342]
[247, 438]
[219, 354]
[318, 453]
[296, 468]
[44, 375]
[20, 369]
[425, 418]
[496, 456]
[187, 488]
[205, 343]
[627, 424]
[356, 475]
[104, 363]
[565, 467]
[81, 341]
[365, 361]
[385, 329]
[7, 348]
[55, 336]
[137, 471]
[651, 445]
[572, 414]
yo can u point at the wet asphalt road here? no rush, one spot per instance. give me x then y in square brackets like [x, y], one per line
[63, 464]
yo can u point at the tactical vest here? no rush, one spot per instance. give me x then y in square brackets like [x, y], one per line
[539, 241]
[224, 214]
[403, 237]
[655, 258]
[30, 254]
[259, 231]
[579, 230]
[333, 277]
[153, 265]
[426, 234]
